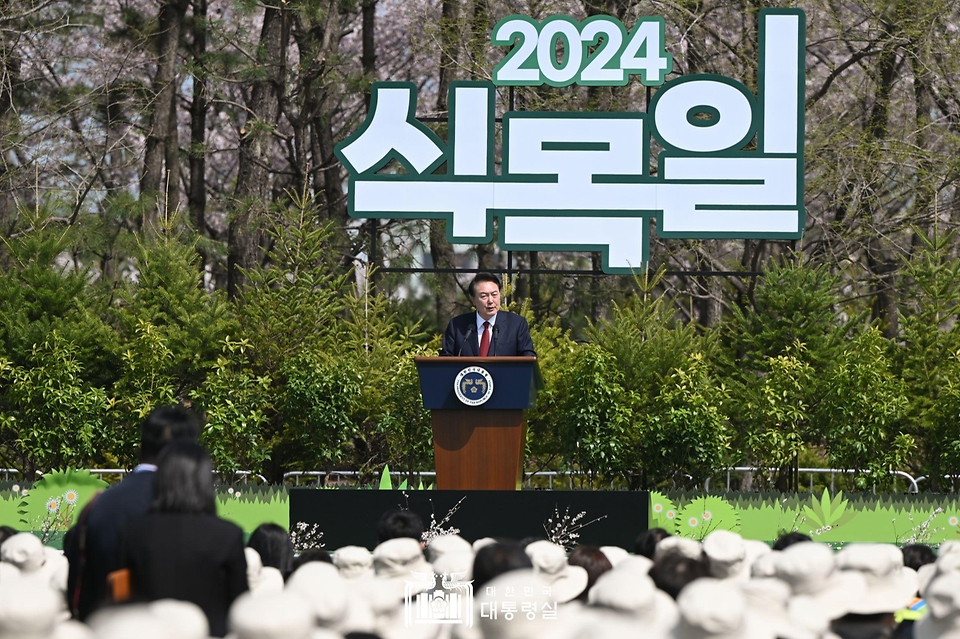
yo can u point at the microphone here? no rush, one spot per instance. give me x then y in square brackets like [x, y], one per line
[496, 331]
[470, 331]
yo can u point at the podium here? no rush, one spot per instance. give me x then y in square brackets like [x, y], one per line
[479, 429]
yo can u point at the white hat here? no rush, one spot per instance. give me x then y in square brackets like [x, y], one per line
[599, 623]
[401, 563]
[685, 546]
[8, 572]
[890, 585]
[279, 615]
[184, 619]
[634, 594]
[483, 541]
[326, 592]
[261, 579]
[947, 563]
[810, 570]
[71, 629]
[942, 620]
[764, 565]
[948, 547]
[791, 617]
[756, 549]
[25, 551]
[726, 555]
[521, 626]
[636, 564]
[354, 562]
[446, 544]
[550, 561]
[716, 609]
[455, 564]
[28, 610]
[337, 604]
[56, 568]
[615, 554]
[399, 558]
[124, 622]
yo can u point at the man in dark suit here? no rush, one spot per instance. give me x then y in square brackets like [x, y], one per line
[93, 545]
[488, 332]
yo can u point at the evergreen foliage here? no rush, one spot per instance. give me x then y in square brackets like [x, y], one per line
[309, 368]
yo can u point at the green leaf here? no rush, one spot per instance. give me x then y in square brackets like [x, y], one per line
[385, 482]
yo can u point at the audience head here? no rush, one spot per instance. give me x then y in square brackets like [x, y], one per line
[6, 532]
[672, 571]
[25, 551]
[594, 561]
[495, 559]
[164, 425]
[398, 523]
[726, 555]
[280, 615]
[567, 582]
[916, 555]
[184, 480]
[273, 544]
[646, 542]
[28, 609]
[788, 539]
[354, 562]
[311, 554]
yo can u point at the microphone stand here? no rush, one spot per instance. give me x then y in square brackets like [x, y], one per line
[470, 331]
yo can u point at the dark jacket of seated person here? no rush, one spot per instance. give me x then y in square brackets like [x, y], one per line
[181, 549]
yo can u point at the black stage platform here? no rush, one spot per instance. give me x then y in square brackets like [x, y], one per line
[349, 517]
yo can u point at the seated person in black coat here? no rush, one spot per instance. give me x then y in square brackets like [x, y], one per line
[181, 549]
[489, 331]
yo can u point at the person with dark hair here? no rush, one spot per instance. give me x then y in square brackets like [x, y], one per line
[398, 523]
[593, 561]
[489, 331]
[788, 539]
[495, 559]
[672, 571]
[181, 549]
[92, 545]
[646, 542]
[916, 555]
[311, 554]
[273, 543]
[6, 532]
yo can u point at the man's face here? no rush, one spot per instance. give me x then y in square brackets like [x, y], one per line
[486, 299]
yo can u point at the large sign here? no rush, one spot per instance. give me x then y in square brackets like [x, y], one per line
[731, 164]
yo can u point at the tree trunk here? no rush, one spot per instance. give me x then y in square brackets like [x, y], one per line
[197, 191]
[10, 64]
[368, 57]
[156, 155]
[319, 42]
[479, 39]
[256, 141]
[881, 259]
